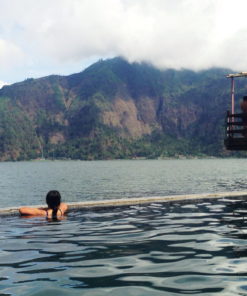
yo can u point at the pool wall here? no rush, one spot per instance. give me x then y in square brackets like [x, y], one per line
[134, 201]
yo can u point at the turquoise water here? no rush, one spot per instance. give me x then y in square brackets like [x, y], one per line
[26, 183]
[159, 249]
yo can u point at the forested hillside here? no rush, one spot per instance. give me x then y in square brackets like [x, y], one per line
[115, 109]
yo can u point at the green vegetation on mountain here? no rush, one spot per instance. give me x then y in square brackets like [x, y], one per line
[115, 109]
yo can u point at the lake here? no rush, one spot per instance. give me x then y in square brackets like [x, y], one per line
[26, 183]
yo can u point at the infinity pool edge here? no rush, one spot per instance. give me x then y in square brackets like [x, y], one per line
[134, 201]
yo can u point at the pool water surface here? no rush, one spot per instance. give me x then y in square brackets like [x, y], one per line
[179, 248]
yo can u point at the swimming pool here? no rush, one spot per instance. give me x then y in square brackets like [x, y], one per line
[178, 248]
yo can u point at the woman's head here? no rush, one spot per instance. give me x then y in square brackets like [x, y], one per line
[53, 199]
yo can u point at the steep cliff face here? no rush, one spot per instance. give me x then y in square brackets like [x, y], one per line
[115, 109]
[131, 119]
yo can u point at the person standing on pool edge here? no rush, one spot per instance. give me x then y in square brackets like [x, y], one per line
[55, 208]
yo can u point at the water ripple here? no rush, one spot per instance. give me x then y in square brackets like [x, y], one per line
[157, 249]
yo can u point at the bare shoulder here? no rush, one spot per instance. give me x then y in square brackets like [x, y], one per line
[32, 211]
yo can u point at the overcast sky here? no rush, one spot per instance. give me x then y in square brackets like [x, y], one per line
[43, 37]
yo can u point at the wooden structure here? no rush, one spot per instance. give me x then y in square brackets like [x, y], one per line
[236, 123]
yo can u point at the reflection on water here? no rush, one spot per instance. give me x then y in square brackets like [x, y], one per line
[158, 249]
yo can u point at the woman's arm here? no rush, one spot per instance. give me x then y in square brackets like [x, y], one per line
[32, 211]
[63, 207]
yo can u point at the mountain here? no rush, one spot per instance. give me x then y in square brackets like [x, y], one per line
[114, 109]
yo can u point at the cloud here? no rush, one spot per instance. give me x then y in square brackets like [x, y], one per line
[168, 33]
[10, 54]
[2, 83]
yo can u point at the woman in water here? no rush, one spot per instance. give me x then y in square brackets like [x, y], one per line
[55, 208]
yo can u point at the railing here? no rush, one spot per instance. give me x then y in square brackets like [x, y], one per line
[236, 131]
[236, 124]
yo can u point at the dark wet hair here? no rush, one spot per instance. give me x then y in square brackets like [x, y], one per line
[53, 200]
